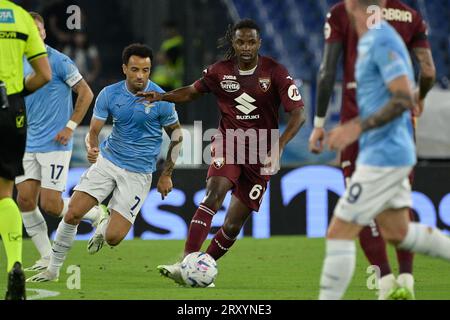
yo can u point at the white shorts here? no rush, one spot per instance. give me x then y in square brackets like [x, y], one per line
[50, 168]
[129, 189]
[373, 190]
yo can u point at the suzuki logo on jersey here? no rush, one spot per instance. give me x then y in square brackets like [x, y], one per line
[246, 106]
[230, 86]
[294, 93]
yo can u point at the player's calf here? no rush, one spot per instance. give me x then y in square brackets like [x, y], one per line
[114, 240]
[52, 208]
[117, 229]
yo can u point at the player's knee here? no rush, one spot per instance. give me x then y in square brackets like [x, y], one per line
[113, 239]
[26, 203]
[72, 217]
[213, 199]
[395, 237]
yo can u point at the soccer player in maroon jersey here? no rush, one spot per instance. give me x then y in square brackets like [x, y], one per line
[249, 89]
[340, 37]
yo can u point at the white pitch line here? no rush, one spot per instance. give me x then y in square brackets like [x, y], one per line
[42, 294]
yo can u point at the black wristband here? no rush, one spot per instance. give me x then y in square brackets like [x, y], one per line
[25, 92]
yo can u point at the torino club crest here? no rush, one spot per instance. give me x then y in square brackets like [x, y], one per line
[219, 162]
[264, 84]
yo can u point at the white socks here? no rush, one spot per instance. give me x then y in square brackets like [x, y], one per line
[65, 207]
[65, 235]
[386, 284]
[37, 229]
[426, 240]
[338, 269]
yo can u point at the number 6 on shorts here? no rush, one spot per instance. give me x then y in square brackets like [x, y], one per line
[256, 192]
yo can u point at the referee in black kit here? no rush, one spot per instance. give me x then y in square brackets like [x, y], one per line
[19, 38]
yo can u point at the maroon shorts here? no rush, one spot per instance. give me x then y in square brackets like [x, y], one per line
[249, 186]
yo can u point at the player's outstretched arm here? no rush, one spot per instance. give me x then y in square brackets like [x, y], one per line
[92, 140]
[325, 86]
[427, 76]
[181, 95]
[83, 101]
[176, 139]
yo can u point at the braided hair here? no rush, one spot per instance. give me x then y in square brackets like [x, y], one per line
[226, 42]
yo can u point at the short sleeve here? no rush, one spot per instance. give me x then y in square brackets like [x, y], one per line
[334, 30]
[167, 114]
[68, 72]
[287, 89]
[420, 37]
[206, 83]
[389, 61]
[34, 47]
[101, 109]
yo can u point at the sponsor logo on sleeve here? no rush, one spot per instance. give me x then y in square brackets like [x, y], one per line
[294, 93]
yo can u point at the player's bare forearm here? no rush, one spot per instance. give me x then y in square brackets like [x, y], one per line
[83, 101]
[176, 142]
[181, 95]
[427, 75]
[296, 120]
[94, 131]
[327, 77]
[399, 103]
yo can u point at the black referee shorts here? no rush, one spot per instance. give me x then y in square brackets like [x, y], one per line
[13, 136]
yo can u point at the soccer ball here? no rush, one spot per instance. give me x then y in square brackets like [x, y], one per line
[198, 270]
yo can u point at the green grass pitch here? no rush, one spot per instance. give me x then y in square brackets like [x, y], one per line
[286, 268]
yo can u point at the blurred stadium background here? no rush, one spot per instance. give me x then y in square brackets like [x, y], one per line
[302, 196]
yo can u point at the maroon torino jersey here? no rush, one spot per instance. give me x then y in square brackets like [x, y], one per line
[250, 101]
[408, 23]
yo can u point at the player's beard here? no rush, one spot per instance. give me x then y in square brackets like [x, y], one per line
[136, 86]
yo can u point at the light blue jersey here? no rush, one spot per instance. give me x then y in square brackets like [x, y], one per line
[136, 137]
[50, 108]
[383, 57]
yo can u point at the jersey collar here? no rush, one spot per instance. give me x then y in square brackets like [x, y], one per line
[247, 72]
[131, 93]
